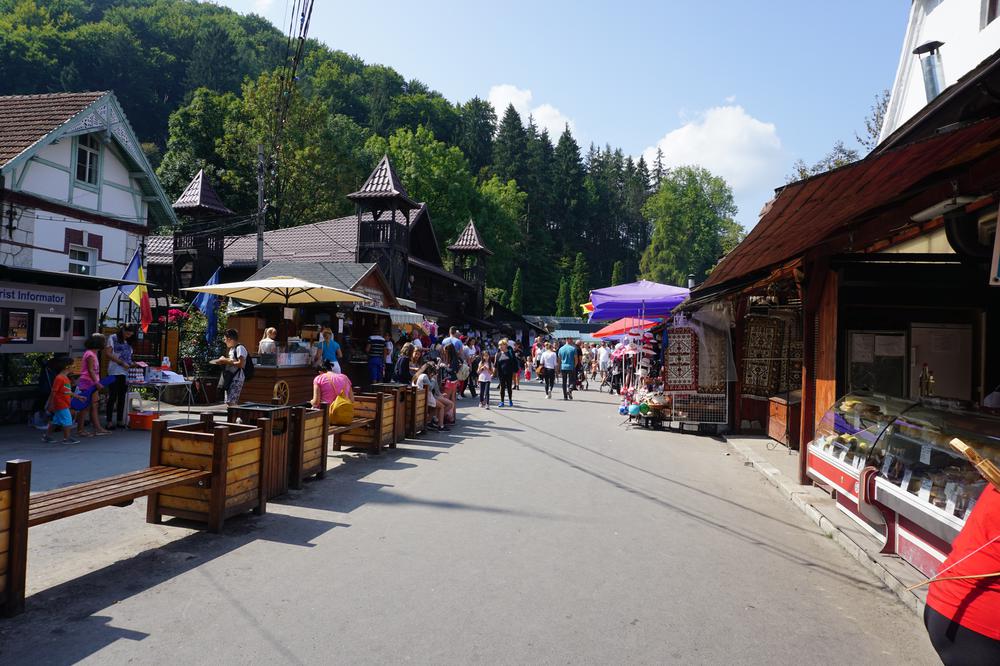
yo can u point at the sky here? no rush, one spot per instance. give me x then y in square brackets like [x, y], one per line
[741, 88]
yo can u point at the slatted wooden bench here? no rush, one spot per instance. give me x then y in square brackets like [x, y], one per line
[120, 490]
[338, 432]
[202, 471]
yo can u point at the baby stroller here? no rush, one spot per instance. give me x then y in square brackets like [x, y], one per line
[616, 378]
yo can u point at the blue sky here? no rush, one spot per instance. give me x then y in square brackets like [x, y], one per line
[743, 88]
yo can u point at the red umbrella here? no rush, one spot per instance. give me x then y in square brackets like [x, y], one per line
[623, 326]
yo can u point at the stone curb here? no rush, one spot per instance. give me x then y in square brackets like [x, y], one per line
[801, 497]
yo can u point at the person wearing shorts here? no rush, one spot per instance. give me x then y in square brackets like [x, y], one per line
[58, 404]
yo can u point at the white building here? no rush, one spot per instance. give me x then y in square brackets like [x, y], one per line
[945, 39]
[77, 197]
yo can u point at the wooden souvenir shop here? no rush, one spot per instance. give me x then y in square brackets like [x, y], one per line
[888, 266]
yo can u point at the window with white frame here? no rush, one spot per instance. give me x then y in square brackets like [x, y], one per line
[88, 151]
[82, 260]
[49, 327]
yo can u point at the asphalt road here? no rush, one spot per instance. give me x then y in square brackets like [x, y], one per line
[546, 533]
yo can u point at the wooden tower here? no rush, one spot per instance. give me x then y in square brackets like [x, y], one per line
[199, 243]
[383, 209]
[470, 262]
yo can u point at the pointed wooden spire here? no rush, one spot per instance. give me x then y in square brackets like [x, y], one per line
[469, 240]
[383, 186]
[200, 198]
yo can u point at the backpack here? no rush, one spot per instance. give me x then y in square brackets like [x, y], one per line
[463, 372]
[247, 364]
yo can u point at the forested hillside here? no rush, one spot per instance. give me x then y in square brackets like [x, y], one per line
[199, 84]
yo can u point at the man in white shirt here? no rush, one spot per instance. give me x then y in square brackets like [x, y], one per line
[604, 360]
[549, 361]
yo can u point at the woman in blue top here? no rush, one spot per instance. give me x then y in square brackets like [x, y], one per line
[329, 350]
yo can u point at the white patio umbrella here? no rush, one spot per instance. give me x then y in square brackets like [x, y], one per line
[281, 290]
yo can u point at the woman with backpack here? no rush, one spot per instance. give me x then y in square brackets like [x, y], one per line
[330, 385]
[234, 362]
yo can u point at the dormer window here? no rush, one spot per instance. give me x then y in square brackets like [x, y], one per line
[88, 151]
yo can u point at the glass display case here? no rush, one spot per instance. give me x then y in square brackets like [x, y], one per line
[850, 428]
[917, 466]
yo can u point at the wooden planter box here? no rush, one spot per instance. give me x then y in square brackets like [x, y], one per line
[308, 445]
[381, 407]
[399, 393]
[14, 494]
[277, 457]
[234, 454]
[420, 415]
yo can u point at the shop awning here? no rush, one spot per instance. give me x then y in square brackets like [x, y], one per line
[814, 212]
[397, 316]
[565, 333]
[68, 280]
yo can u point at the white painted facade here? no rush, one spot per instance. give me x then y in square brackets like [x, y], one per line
[65, 224]
[970, 32]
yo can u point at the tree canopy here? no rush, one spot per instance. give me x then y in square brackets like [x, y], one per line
[200, 85]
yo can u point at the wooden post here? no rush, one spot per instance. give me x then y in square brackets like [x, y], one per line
[324, 447]
[297, 444]
[265, 447]
[17, 552]
[155, 447]
[208, 419]
[220, 467]
[376, 447]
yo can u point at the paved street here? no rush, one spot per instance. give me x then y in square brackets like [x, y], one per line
[546, 533]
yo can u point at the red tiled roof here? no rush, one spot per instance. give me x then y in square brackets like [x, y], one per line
[383, 183]
[200, 196]
[807, 212]
[469, 240]
[27, 119]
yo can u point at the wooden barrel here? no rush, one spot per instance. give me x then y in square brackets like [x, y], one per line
[276, 460]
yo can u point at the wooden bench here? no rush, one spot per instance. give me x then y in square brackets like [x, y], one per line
[118, 490]
[202, 471]
[338, 432]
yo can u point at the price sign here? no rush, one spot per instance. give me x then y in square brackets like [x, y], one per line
[905, 483]
[951, 495]
[925, 454]
[925, 489]
[886, 465]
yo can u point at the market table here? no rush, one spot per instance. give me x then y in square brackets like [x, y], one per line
[159, 386]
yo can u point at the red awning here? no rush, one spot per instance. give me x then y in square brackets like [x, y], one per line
[807, 212]
[623, 326]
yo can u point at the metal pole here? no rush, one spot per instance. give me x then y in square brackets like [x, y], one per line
[260, 206]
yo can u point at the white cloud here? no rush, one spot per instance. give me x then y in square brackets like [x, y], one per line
[262, 5]
[546, 116]
[730, 143]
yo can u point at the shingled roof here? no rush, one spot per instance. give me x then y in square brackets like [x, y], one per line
[384, 184]
[27, 119]
[331, 240]
[469, 240]
[200, 197]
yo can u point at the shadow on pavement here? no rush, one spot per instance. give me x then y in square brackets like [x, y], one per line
[61, 624]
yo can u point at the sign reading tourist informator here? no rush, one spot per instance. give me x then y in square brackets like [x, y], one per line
[18, 294]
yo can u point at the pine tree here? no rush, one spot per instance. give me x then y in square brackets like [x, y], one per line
[616, 273]
[476, 128]
[516, 297]
[510, 148]
[562, 300]
[567, 184]
[658, 170]
[579, 288]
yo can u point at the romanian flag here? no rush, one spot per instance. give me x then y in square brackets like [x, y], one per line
[138, 293]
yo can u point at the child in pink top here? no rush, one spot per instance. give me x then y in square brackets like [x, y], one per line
[329, 384]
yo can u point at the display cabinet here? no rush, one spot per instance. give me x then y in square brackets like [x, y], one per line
[844, 438]
[891, 466]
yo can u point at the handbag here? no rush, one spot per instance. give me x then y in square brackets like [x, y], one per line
[341, 410]
[463, 372]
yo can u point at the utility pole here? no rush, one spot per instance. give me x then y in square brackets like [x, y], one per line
[260, 206]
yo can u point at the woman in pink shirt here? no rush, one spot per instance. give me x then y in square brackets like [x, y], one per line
[329, 384]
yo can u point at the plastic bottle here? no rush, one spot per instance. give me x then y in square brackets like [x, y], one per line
[165, 363]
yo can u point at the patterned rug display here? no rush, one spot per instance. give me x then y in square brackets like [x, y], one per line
[713, 360]
[762, 354]
[682, 359]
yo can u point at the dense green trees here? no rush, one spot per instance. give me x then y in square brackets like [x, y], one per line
[199, 84]
[693, 226]
[517, 293]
